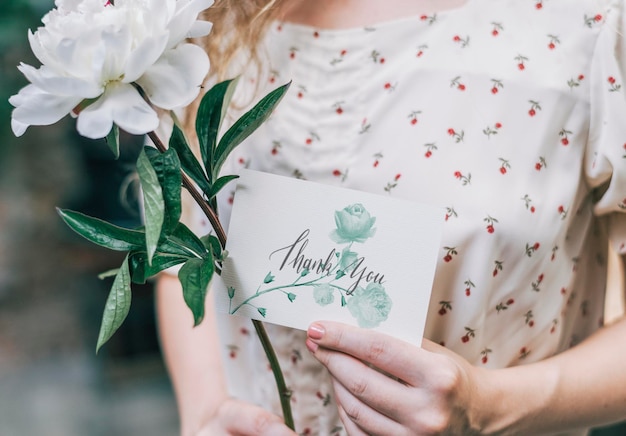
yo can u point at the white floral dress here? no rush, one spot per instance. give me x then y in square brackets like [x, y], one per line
[511, 116]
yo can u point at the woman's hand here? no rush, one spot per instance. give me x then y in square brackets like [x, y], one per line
[238, 418]
[385, 386]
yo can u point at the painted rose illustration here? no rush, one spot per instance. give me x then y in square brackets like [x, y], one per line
[354, 224]
[370, 306]
[323, 294]
[348, 260]
[97, 54]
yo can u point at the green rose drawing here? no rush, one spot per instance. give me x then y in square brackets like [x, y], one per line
[323, 294]
[370, 306]
[348, 260]
[354, 224]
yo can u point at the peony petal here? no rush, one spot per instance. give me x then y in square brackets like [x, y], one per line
[49, 81]
[200, 28]
[18, 128]
[120, 104]
[186, 14]
[144, 56]
[34, 107]
[175, 80]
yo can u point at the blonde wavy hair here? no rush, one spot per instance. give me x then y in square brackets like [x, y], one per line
[238, 28]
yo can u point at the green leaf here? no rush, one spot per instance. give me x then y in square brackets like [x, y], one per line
[231, 292]
[244, 126]
[212, 243]
[184, 236]
[141, 270]
[291, 296]
[153, 204]
[211, 113]
[339, 274]
[113, 140]
[188, 161]
[195, 276]
[103, 233]
[220, 183]
[117, 305]
[343, 301]
[262, 311]
[168, 170]
[269, 278]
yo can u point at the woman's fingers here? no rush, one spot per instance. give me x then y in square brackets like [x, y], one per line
[396, 357]
[244, 419]
[360, 417]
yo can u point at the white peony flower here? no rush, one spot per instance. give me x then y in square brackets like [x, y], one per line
[94, 54]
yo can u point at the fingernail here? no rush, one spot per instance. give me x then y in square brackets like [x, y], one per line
[311, 346]
[315, 331]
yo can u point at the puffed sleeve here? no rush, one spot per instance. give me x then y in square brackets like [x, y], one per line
[605, 163]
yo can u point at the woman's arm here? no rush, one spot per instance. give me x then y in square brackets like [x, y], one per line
[193, 360]
[191, 355]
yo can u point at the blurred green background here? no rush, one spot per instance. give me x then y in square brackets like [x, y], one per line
[51, 381]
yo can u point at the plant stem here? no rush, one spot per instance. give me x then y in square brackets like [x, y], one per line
[283, 392]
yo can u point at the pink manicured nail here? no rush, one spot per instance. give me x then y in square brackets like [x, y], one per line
[311, 346]
[316, 331]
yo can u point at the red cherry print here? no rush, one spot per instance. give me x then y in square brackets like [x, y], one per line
[230, 200]
[456, 38]
[272, 79]
[495, 272]
[387, 85]
[563, 291]
[461, 87]
[397, 177]
[495, 32]
[538, 166]
[382, 60]
[581, 77]
[457, 174]
[539, 6]
[510, 301]
[376, 163]
[442, 311]
[502, 170]
[611, 80]
[531, 323]
[420, 53]
[414, 121]
[451, 132]
[494, 90]
[424, 17]
[564, 141]
[465, 339]
[532, 209]
[490, 229]
[306, 431]
[468, 292]
[336, 173]
[561, 209]
[551, 46]
[308, 141]
[521, 66]
[242, 161]
[316, 34]
[244, 331]
[597, 18]
[428, 153]
[552, 329]
[540, 278]
[447, 258]
[536, 247]
[484, 359]
[292, 55]
[279, 28]
[532, 112]
[498, 125]
[339, 111]
[274, 151]
[343, 52]
[300, 95]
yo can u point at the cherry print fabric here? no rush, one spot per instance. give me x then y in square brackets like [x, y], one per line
[510, 115]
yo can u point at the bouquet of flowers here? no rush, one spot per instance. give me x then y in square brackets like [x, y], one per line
[118, 65]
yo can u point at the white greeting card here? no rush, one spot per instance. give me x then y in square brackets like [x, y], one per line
[300, 252]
